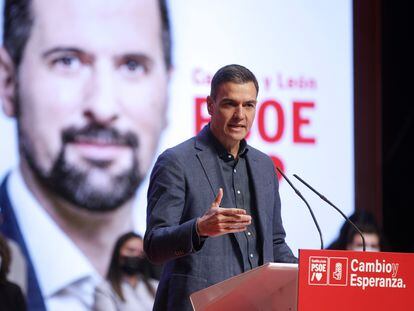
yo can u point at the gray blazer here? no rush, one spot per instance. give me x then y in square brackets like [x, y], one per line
[183, 184]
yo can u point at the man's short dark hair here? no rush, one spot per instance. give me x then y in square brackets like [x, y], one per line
[232, 73]
[18, 22]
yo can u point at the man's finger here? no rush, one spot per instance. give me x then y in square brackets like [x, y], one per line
[232, 211]
[234, 229]
[233, 218]
[233, 225]
[218, 198]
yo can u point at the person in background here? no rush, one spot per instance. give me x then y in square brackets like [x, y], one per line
[128, 285]
[11, 296]
[349, 238]
[18, 266]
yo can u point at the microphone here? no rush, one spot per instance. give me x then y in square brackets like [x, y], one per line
[336, 208]
[307, 204]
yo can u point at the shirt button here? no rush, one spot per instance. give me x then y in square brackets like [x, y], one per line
[251, 255]
[229, 156]
[238, 191]
[235, 170]
[249, 233]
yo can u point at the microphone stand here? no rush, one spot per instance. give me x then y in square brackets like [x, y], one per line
[336, 208]
[307, 204]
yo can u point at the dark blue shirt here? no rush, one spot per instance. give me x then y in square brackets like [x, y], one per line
[238, 182]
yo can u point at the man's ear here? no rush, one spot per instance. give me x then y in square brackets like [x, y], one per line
[7, 83]
[210, 104]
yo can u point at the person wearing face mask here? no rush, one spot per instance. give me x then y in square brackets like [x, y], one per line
[349, 239]
[11, 296]
[128, 284]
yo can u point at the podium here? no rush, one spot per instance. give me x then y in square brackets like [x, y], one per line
[325, 280]
[272, 286]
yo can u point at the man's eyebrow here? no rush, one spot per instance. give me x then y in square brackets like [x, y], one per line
[227, 99]
[143, 57]
[253, 101]
[60, 50]
[135, 54]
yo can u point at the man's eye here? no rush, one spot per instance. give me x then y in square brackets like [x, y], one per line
[228, 104]
[66, 63]
[133, 67]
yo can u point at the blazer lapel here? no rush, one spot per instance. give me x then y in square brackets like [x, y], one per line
[211, 168]
[209, 161]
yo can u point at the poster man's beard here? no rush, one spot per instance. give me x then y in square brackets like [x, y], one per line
[73, 184]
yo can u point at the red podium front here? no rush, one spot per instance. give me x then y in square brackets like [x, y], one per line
[347, 280]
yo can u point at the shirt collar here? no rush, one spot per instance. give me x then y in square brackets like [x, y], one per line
[222, 152]
[58, 262]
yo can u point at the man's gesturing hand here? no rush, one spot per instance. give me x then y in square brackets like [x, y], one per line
[218, 221]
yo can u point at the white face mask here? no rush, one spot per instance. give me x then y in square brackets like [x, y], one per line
[368, 248]
[372, 243]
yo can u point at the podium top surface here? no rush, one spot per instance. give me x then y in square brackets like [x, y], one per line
[257, 289]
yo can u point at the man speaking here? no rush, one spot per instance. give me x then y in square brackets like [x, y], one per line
[213, 202]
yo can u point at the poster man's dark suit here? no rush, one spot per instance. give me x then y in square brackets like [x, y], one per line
[183, 185]
[10, 228]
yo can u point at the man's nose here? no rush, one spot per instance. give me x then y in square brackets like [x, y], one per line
[101, 101]
[239, 112]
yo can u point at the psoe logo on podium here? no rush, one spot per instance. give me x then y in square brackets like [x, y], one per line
[328, 271]
[338, 271]
[318, 270]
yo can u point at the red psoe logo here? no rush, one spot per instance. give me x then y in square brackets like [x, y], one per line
[338, 271]
[318, 270]
[331, 271]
